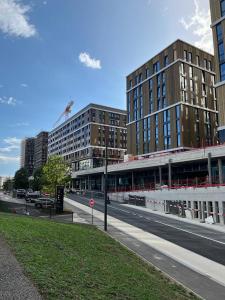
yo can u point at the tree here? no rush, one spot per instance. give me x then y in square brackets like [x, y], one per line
[56, 172]
[8, 185]
[38, 181]
[21, 179]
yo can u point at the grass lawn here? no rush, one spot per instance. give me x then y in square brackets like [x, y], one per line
[67, 261]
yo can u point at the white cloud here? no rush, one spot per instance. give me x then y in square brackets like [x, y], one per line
[8, 101]
[199, 23]
[9, 159]
[14, 20]
[19, 124]
[89, 62]
[11, 143]
[25, 85]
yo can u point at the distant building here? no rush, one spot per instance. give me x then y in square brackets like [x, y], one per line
[81, 140]
[171, 103]
[217, 8]
[40, 149]
[27, 155]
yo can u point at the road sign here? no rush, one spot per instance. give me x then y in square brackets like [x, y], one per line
[91, 203]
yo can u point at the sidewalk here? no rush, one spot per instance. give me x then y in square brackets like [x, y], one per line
[217, 227]
[13, 283]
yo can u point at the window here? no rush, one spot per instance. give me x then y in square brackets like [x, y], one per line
[174, 54]
[205, 63]
[222, 7]
[222, 72]
[130, 85]
[203, 76]
[158, 97]
[189, 56]
[191, 85]
[158, 80]
[178, 126]
[140, 78]
[221, 52]
[182, 68]
[137, 137]
[197, 60]
[219, 32]
[166, 60]
[156, 132]
[146, 134]
[156, 67]
[147, 72]
[191, 72]
[163, 77]
[210, 65]
[166, 129]
[185, 55]
[150, 97]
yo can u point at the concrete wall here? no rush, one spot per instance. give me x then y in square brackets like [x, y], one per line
[202, 202]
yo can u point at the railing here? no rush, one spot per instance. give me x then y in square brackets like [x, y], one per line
[198, 182]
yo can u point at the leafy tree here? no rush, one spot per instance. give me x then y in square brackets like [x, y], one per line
[38, 181]
[21, 179]
[56, 172]
[8, 185]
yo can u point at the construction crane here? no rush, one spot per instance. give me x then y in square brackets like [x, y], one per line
[65, 113]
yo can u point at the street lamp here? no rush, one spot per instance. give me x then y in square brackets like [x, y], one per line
[106, 179]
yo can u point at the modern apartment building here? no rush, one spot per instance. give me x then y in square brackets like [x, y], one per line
[217, 8]
[27, 155]
[171, 102]
[40, 149]
[81, 140]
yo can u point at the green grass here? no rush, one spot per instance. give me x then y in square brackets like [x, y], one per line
[67, 261]
[4, 207]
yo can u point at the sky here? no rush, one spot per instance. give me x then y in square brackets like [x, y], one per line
[55, 51]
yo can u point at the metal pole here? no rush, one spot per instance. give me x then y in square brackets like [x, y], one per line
[105, 187]
[92, 215]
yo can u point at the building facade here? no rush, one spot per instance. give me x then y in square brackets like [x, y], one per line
[81, 140]
[171, 101]
[27, 155]
[40, 149]
[217, 8]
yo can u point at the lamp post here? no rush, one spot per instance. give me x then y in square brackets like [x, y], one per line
[106, 181]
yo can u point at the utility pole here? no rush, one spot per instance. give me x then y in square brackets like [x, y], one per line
[106, 177]
[106, 186]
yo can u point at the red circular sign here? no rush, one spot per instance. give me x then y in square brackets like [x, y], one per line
[91, 202]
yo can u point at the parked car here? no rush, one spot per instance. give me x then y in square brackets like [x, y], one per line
[30, 197]
[44, 202]
[20, 193]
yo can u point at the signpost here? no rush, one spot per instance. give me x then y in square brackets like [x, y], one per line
[91, 204]
[59, 198]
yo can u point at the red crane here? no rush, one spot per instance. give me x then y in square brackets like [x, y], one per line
[65, 113]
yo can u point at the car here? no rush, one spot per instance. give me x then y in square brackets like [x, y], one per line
[30, 197]
[21, 193]
[44, 203]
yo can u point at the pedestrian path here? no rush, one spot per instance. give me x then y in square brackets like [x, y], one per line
[14, 285]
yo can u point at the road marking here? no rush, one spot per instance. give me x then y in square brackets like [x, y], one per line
[172, 226]
[175, 227]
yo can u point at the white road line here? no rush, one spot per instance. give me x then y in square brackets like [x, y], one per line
[175, 227]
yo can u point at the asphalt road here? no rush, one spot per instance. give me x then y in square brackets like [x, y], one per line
[203, 241]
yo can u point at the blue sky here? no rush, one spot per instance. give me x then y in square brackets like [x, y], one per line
[56, 50]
